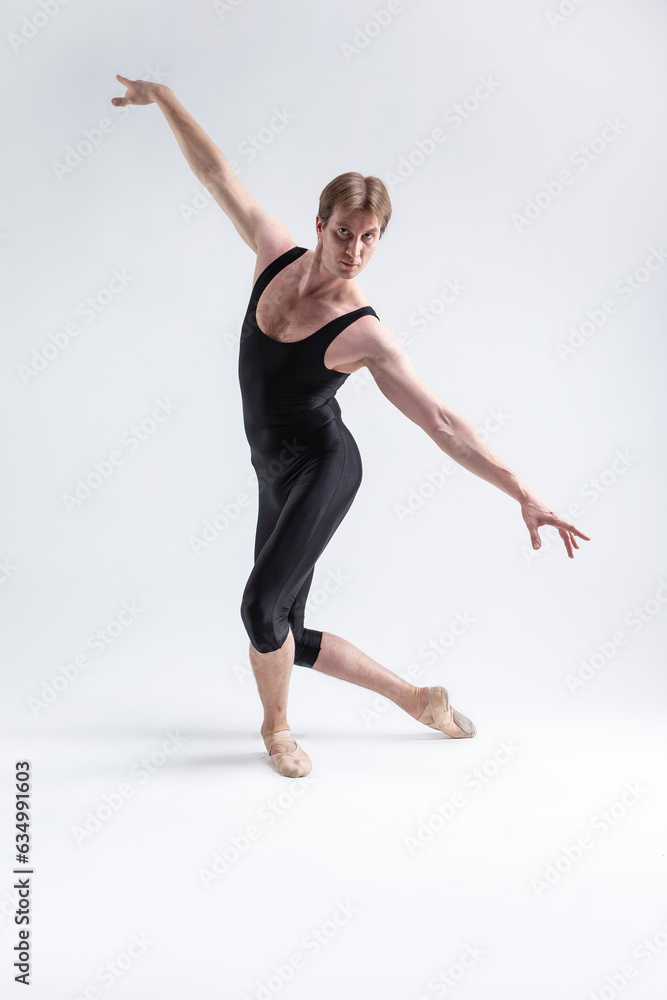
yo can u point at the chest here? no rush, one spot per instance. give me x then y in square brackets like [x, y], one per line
[284, 315]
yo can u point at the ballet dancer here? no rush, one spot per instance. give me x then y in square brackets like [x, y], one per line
[308, 326]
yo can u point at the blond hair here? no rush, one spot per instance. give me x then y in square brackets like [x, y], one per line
[354, 191]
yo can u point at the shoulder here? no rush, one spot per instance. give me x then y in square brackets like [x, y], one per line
[270, 250]
[369, 342]
[376, 338]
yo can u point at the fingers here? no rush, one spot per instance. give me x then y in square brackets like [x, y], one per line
[121, 102]
[532, 526]
[575, 531]
[567, 532]
[568, 544]
[570, 541]
[570, 528]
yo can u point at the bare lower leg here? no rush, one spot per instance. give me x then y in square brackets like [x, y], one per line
[272, 672]
[339, 658]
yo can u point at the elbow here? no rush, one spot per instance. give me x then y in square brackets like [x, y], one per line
[210, 174]
[449, 434]
[215, 175]
[442, 425]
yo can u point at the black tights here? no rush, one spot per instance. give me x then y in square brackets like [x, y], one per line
[306, 486]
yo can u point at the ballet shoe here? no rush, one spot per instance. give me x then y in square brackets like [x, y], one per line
[440, 715]
[294, 764]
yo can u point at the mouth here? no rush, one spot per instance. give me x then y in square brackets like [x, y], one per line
[346, 264]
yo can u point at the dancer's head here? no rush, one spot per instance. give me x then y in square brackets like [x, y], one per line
[353, 214]
[353, 190]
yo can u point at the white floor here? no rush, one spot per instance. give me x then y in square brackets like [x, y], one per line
[527, 862]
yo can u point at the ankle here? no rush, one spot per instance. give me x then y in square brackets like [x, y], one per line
[421, 700]
[270, 726]
[415, 701]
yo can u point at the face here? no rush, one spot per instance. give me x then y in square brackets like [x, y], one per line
[348, 241]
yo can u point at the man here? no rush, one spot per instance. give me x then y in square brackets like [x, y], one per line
[308, 326]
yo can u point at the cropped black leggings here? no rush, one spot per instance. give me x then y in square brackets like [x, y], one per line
[306, 486]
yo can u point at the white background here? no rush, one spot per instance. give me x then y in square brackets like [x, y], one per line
[362, 90]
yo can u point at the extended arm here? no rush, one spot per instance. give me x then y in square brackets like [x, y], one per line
[396, 378]
[257, 227]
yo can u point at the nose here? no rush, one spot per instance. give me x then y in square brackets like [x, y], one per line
[354, 248]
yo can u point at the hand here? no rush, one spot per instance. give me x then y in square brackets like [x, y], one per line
[537, 513]
[138, 92]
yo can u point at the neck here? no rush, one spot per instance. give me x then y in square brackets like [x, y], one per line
[317, 281]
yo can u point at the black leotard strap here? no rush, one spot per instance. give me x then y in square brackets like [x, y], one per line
[272, 269]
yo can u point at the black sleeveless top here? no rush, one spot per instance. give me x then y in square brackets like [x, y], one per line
[285, 386]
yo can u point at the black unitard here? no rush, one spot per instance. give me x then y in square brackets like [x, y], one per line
[308, 469]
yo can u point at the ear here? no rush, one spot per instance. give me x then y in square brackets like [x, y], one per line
[319, 226]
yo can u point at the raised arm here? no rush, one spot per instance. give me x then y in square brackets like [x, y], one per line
[381, 352]
[261, 230]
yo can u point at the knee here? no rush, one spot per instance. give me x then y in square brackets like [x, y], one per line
[258, 620]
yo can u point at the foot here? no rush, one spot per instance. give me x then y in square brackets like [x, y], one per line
[438, 714]
[289, 758]
[419, 702]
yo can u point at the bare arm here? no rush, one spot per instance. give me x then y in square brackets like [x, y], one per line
[257, 227]
[382, 353]
[396, 378]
